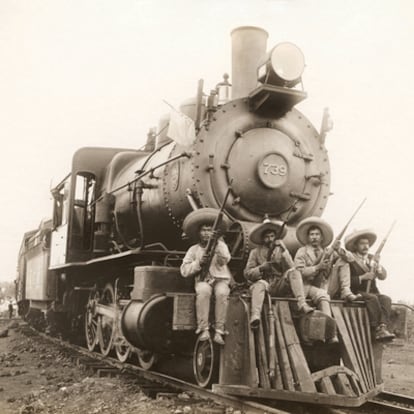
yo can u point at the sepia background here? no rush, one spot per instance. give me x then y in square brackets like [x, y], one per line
[94, 73]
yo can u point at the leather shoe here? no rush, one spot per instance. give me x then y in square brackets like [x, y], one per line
[305, 308]
[333, 340]
[204, 336]
[382, 334]
[352, 298]
[218, 339]
[255, 323]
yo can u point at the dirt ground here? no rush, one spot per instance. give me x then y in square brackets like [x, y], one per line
[398, 368]
[36, 377]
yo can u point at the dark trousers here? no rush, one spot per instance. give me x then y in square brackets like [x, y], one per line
[378, 307]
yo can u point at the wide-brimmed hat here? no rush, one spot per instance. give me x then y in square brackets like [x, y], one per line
[256, 234]
[303, 229]
[203, 216]
[351, 239]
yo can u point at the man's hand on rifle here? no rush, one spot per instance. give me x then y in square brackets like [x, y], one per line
[336, 245]
[367, 276]
[216, 234]
[375, 263]
[323, 265]
[204, 259]
[266, 267]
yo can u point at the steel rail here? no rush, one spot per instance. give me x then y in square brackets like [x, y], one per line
[385, 402]
[391, 403]
[246, 406]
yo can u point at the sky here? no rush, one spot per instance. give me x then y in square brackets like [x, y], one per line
[95, 72]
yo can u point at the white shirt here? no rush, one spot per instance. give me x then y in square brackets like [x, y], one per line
[218, 268]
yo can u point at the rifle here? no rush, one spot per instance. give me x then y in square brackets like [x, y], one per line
[328, 254]
[278, 237]
[213, 240]
[375, 259]
[271, 315]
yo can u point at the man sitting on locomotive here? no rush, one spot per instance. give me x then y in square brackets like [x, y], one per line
[270, 267]
[315, 235]
[364, 272]
[332, 274]
[198, 226]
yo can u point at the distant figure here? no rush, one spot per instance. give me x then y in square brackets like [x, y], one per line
[10, 309]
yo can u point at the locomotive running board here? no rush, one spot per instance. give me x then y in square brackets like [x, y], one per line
[297, 396]
[118, 256]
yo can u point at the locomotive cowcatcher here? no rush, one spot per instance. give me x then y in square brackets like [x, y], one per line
[106, 267]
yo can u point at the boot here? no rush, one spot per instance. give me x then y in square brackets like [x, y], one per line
[333, 340]
[304, 307]
[218, 338]
[352, 298]
[382, 334]
[204, 336]
[296, 285]
[255, 323]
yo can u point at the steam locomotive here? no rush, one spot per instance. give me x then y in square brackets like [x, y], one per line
[106, 267]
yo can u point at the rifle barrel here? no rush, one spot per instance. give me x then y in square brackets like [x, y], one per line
[384, 240]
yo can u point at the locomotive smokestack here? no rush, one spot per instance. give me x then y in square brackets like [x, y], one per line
[248, 49]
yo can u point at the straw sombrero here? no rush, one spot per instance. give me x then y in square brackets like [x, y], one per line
[256, 234]
[203, 216]
[304, 226]
[351, 239]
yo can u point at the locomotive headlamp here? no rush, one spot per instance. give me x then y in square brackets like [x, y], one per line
[283, 66]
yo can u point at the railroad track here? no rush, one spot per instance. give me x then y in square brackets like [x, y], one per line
[388, 402]
[152, 383]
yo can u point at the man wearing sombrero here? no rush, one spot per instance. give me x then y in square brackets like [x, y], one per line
[315, 235]
[362, 271]
[333, 275]
[198, 226]
[270, 268]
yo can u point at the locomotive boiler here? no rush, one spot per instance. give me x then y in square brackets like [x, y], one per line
[257, 140]
[117, 243]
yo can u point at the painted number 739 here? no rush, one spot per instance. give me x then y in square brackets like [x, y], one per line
[274, 169]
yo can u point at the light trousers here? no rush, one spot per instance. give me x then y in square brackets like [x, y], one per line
[204, 291]
[290, 284]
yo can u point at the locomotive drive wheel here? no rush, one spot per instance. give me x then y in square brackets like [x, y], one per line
[146, 359]
[206, 359]
[106, 326]
[122, 349]
[91, 321]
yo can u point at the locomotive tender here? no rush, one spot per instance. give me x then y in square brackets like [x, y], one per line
[107, 265]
